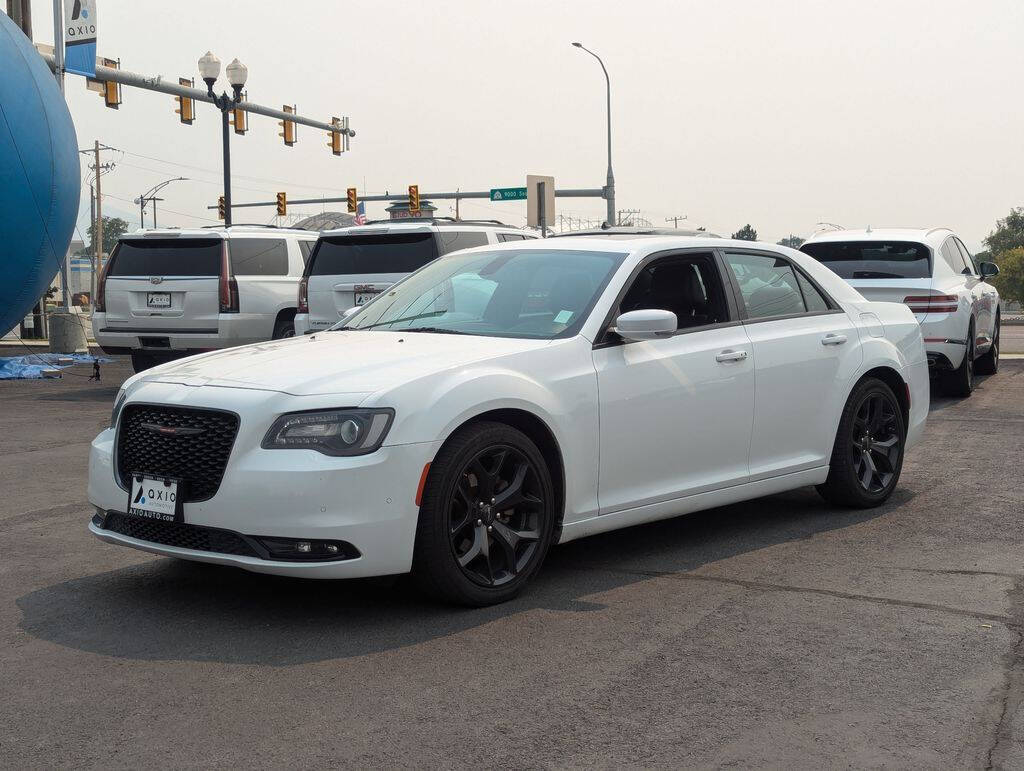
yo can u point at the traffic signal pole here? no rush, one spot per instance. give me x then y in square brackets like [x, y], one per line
[226, 134]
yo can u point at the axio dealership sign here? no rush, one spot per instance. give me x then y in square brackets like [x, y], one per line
[80, 37]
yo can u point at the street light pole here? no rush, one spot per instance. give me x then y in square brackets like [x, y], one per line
[150, 195]
[609, 191]
[209, 68]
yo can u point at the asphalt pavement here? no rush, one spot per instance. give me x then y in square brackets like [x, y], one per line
[779, 632]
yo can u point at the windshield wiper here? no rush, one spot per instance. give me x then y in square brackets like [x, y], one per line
[439, 330]
[406, 318]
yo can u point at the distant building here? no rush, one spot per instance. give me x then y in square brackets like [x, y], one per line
[328, 220]
[400, 211]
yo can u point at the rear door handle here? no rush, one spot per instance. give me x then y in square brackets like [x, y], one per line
[731, 355]
[833, 339]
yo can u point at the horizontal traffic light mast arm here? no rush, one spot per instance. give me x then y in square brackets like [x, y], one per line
[158, 83]
[583, 192]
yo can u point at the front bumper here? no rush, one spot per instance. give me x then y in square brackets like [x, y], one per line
[367, 501]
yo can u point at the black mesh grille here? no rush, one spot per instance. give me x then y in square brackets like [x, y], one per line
[180, 535]
[197, 459]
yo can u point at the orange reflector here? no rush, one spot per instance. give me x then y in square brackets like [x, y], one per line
[422, 484]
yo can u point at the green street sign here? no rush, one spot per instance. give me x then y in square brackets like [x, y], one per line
[508, 193]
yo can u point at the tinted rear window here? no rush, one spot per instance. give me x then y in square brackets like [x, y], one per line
[167, 257]
[453, 240]
[386, 253]
[259, 257]
[872, 259]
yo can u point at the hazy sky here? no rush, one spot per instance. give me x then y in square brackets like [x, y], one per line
[781, 113]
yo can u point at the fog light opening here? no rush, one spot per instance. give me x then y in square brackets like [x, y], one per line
[306, 550]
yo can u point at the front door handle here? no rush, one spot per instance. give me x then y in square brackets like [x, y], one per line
[833, 339]
[731, 355]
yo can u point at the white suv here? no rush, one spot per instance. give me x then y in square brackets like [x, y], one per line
[932, 272]
[168, 293]
[350, 266]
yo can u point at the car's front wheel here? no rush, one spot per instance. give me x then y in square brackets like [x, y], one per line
[867, 456]
[487, 516]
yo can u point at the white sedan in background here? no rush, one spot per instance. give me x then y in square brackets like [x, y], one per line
[507, 398]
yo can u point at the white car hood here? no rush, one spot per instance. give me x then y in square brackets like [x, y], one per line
[336, 362]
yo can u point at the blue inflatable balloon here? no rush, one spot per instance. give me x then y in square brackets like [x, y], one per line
[39, 182]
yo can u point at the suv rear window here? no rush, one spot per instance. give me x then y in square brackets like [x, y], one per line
[166, 257]
[347, 255]
[872, 259]
[259, 257]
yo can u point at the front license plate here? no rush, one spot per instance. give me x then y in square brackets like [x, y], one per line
[154, 498]
[159, 300]
[364, 297]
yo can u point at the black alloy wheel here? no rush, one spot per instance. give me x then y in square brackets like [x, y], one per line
[988, 362]
[487, 516]
[875, 442]
[495, 513]
[960, 381]
[867, 455]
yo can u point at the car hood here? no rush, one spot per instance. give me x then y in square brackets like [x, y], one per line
[337, 362]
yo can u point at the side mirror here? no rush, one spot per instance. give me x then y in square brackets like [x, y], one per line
[646, 325]
[350, 311]
[988, 269]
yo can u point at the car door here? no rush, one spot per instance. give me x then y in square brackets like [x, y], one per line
[675, 413]
[984, 295]
[805, 351]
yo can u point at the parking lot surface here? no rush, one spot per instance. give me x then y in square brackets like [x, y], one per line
[778, 632]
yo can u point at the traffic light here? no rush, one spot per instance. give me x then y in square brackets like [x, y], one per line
[282, 204]
[414, 198]
[111, 90]
[288, 127]
[353, 201]
[186, 106]
[239, 119]
[221, 208]
[336, 144]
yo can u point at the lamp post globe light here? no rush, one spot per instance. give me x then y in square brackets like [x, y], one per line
[609, 191]
[209, 70]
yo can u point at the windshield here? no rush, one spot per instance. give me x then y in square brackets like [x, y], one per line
[872, 259]
[353, 255]
[167, 257]
[535, 293]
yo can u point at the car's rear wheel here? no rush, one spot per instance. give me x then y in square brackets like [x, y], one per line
[486, 516]
[988, 363]
[284, 327]
[867, 456]
[960, 381]
[142, 361]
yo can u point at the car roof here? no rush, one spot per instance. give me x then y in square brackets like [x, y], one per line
[220, 232]
[416, 225]
[932, 236]
[625, 243]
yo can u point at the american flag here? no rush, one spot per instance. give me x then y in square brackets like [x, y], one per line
[361, 214]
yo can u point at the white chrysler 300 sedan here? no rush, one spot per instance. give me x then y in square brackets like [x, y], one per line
[506, 398]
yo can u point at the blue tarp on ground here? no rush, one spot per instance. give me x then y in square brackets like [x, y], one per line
[31, 366]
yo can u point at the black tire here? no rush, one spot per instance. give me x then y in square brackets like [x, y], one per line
[467, 553]
[142, 361]
[865, 467]
[960, 381]
[988, 362]
[284, 327]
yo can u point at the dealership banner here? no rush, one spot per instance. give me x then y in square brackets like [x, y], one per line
[80, 37]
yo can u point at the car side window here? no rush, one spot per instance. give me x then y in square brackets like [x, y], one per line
[688, 285]
[968, 258]
[511, 237]
[306, 249]
[813, 299]
[952, 256]
[768, 285]
[259, 256]
[453, 240]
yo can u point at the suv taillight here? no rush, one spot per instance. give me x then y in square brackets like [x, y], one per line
[304, 295]
[228, 289]
[932, 303]
[99, 304]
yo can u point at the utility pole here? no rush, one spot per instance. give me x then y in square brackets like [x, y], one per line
[675, 220]
[97, 228]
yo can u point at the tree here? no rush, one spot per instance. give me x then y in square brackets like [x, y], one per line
[746, 233]
[113, 228]
[1010, 281]
[1009, 233]
[793, 242]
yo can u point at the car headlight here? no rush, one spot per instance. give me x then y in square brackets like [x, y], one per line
[118, 404]
[332, 432]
